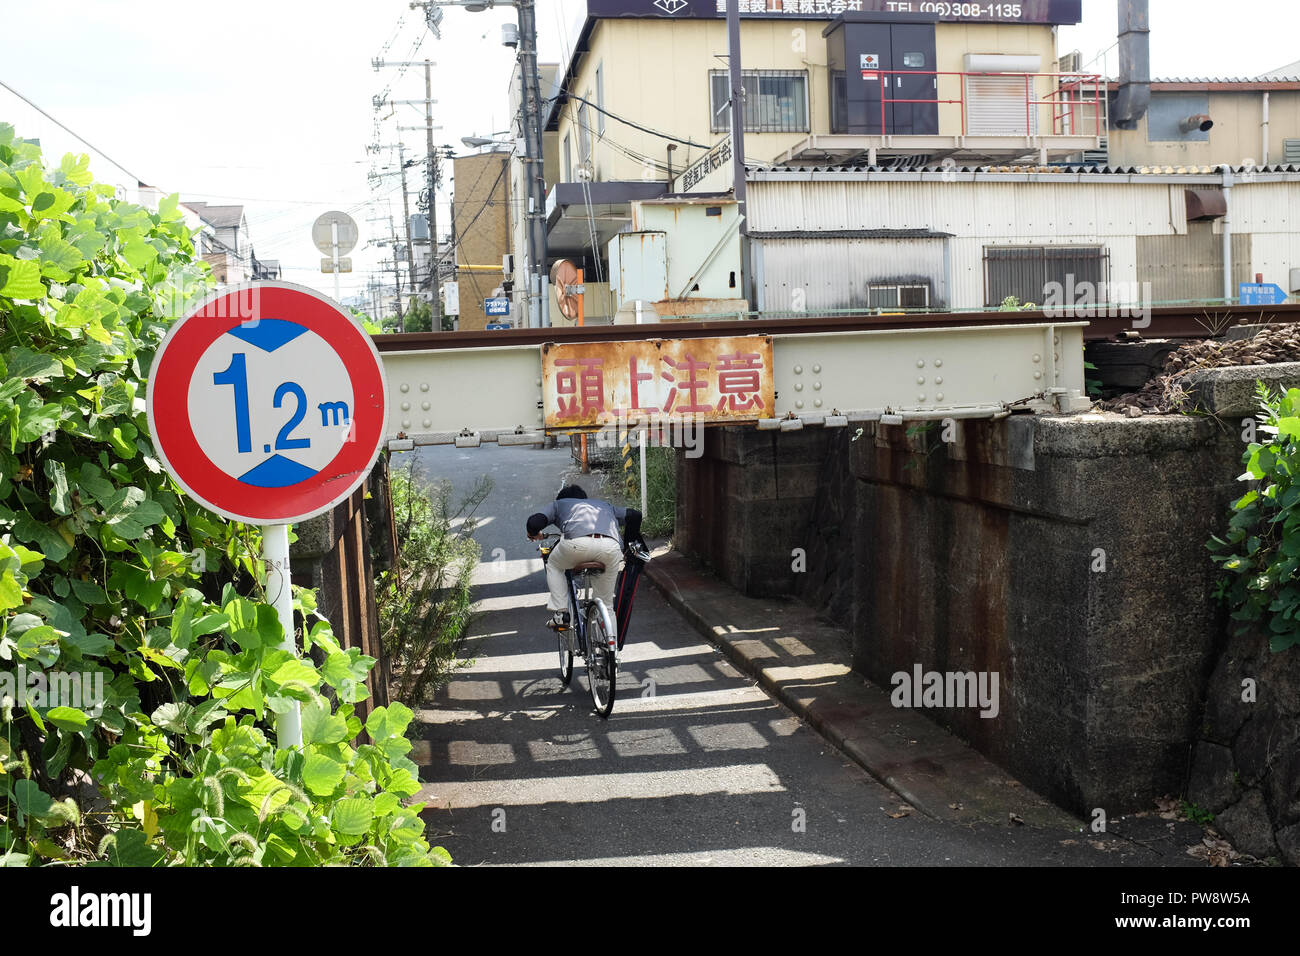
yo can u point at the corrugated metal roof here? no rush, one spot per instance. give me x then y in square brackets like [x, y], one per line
[1034, 169]
[1218, 84]
[852, 234]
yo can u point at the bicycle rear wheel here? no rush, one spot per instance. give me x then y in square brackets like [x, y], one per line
[601, 665]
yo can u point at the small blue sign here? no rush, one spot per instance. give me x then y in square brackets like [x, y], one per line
[499, 305]
[495, 326]
[1261, 293]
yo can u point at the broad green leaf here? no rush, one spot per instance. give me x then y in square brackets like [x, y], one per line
[321, 775]
[40, 643]
[36, 420]
[352, 816]
[51, 202]
[319, 726]
[31, 799]
[296, 671]
[76, 169]
[24, 363]
[390, 721]
[90, 645]
[129, 847]
[20, 278]
[172, 716]
[11, 592]
[130, 512]
[49, 541]
[88, 591]
[67, 718]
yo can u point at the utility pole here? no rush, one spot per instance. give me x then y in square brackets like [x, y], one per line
[532, 110]
[406, 219]
[738, 139]
[532, 107]
[435, 300]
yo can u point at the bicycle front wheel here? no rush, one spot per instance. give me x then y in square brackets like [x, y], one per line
[601, 664]
[566, 655]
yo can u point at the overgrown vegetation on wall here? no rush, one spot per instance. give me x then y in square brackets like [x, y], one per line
[424, 601]
[138, 659]
[1260, 554]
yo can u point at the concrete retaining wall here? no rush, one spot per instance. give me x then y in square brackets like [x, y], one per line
[1066, 554]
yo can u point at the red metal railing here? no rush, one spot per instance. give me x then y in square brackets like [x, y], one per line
[1072, 94]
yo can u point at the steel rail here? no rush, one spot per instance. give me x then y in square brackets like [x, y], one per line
[1166, 322]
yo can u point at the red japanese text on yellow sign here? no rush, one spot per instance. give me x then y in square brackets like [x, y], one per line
[591, 384]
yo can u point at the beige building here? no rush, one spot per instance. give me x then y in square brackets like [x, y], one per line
[875, 139]
[644, 100]
[481, 223]
[1253, 123]
[670, 75]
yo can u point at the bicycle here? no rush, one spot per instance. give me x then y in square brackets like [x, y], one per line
[591, 624]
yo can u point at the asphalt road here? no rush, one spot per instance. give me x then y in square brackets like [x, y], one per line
[696, 766]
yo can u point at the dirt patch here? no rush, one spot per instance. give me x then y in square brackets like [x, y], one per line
[1166, 393]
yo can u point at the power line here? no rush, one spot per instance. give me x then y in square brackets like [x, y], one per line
[628, 122]
[67, 129]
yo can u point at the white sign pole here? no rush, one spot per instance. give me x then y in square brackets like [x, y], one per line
[334, 252]
[644, 433]
[279, 594]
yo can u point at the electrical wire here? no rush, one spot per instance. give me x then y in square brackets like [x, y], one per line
[70, 131]
[628, 122]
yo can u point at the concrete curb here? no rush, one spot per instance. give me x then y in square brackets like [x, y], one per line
[807, 666]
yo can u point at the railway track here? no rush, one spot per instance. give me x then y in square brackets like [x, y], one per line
[1166, 322]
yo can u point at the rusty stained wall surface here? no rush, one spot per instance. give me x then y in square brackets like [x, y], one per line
[717, 379]
[978, 556]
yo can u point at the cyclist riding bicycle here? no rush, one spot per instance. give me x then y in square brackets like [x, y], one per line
[590, 533]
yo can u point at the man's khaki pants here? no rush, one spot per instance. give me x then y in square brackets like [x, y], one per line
[571, 551]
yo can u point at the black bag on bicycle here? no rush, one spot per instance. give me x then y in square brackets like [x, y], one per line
[625, 589]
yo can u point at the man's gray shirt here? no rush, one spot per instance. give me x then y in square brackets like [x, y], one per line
[577, 517]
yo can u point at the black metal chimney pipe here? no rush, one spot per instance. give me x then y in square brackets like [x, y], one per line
[1134, 94]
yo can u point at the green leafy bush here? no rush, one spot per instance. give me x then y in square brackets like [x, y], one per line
[424, 600]
[111, 579]
[1260, 556]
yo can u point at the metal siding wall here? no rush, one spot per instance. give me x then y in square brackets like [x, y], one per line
[1191, 266]
[990, 212]
[997, 209]
[836, 273]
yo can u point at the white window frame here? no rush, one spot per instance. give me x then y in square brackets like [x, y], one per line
[720, 119]
[897, 288]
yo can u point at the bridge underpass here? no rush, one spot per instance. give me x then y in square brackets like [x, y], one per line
[976, 554]
[698, 764]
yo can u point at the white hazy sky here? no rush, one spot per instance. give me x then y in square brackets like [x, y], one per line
[268, 104]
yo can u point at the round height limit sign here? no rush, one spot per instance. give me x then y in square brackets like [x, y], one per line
[267, 403]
